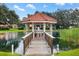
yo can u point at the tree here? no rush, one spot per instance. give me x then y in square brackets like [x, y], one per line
[8, 16]
[14, 18]
[66, 17]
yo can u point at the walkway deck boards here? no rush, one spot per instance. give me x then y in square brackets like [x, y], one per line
[38, 47]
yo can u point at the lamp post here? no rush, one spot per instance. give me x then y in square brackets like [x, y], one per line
[57, 48]
[12, 49]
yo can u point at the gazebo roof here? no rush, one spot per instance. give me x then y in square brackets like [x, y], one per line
[39, 18]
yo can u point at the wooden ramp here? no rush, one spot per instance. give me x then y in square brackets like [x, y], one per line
[38, 47]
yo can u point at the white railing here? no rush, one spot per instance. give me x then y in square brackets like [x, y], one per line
[49, 35]
[27, 35]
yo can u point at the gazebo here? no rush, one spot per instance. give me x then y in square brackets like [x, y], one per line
[39, 22]
[38, 41]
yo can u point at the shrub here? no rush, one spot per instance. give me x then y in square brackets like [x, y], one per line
[69, 38]
[6, 45]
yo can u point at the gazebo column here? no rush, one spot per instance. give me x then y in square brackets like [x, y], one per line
[51, 29]
[44, 27]
[33, 30]
[26, 28]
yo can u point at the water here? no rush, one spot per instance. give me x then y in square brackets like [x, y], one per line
[11, 35]
[9, 38]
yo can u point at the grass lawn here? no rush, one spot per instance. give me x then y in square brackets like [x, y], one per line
[74, 52]
[11, 30]
[8, 54]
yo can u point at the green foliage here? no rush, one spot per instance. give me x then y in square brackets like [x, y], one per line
[65, 17]
[6, 45]
[74, 52]
[21, 26]
[8, 16]
[69, 38]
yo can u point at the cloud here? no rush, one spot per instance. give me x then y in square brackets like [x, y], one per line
[60, 4]
[45, 6]
[30, 6]
[17, 7]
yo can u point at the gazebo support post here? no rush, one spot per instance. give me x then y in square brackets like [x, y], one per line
[33, 30]
[26, 28]
[51, 29]
[44, 28]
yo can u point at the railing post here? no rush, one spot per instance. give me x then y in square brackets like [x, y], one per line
[52, 46]
[24, 47]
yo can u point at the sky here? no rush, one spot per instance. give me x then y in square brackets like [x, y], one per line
[23, 9]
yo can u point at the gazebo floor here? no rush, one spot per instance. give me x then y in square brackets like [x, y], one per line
[38, 47]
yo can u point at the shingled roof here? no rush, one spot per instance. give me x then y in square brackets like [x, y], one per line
[39, 18]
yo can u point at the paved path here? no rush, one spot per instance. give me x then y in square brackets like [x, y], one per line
[38, 47]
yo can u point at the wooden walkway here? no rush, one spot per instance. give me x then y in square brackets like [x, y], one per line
[38, 47]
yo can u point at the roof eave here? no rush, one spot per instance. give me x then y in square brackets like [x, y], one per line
[40, 22]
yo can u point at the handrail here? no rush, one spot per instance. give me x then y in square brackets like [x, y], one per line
[26, 41]
[49, 35]
[49, 38]
[27, 35]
